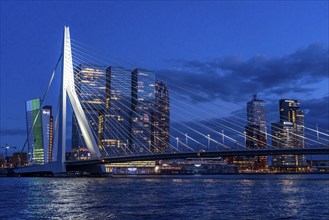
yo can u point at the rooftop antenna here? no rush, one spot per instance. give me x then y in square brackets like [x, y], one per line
[254, 96]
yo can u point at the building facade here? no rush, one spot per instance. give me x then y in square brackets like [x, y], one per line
[255, 131]
[117, 112]
[47, 133]
[34, 131]
[40, 130]
[288, 133]
[160, 119]
[90, 85]
[290, 111]
[256, 124]
[142, 105]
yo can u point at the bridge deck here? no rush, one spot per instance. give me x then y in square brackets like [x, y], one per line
[224, 153]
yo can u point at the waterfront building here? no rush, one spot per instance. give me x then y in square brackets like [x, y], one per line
[290, 111]
[255, 131]
[90, 85]
[282, 137]
[142, 102]
[41, 137]
[47, 133]
[34, 131]
[17, 159]
[117, 114]
[288, 133]
[160, 119]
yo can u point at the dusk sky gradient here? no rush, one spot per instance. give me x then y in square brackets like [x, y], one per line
[226, 49]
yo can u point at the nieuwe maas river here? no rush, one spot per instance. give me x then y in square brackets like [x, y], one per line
[164, 198]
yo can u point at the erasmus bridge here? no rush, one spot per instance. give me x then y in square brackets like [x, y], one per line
[180, 149]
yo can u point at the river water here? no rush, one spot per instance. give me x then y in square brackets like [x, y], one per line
[164, 198]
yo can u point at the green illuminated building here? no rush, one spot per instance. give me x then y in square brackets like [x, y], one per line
[35, 140]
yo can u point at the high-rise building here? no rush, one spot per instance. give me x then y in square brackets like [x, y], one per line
[142, 101]
[117, 112]
[90, 85]
[34, 130]
[47, 133]
[256, 124]
[288, 133]
[40, 131]
[255, 130]
[290, 111]
[282, 137]
[160, 119]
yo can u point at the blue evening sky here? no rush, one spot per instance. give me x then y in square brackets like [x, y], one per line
[153, 35]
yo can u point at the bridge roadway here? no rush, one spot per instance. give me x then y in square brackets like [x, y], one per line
[222, 153]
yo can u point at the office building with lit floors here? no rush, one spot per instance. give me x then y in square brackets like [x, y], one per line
[90, 85]
[47, 133]
[117, 122]
[40, 130]
[255, 131]
[289, 133]
[160, 119]
[142, 105]
[34, 131]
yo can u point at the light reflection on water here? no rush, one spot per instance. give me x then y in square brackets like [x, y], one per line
[171, 198]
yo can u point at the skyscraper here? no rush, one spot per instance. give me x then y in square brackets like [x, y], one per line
[90, 85]
[47, 133]
[282, 137]
[142, 101]
[40, 140]
[160, 119]
[256, 124]
[255, 130]
[34, 130]
[289, 132]
[290, 111]
[117, 112]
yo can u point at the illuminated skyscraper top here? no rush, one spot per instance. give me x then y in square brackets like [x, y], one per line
[256, 113]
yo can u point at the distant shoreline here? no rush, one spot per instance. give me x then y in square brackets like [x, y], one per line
[283, 175]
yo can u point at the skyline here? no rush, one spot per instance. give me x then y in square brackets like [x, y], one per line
[308, 52]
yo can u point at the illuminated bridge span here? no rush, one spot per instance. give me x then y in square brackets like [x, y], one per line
[123, 115]
[227, 153]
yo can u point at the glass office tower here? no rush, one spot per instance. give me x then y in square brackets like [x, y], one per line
[34, 130]
[255, 130]
[160, 119]
[116, 129]
[90, 83]
[142, 102]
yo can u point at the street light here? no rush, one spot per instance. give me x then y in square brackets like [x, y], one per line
[177, 139]
[6, 151]
[208, 141]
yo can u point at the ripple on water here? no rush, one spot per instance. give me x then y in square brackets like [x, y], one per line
[177, 198]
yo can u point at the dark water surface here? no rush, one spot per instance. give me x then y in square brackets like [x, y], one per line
[158, 198]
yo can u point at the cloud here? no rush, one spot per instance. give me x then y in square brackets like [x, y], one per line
[13, 132]
[234, 79]
[317, 112]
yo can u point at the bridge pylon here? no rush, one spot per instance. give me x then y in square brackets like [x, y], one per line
[67, 91]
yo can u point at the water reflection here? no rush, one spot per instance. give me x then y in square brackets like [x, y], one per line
[106, 198]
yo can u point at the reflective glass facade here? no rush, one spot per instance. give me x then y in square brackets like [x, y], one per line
[90, 82]
[142, 106]
[160, 119]
[117, 112]
[35, 140]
